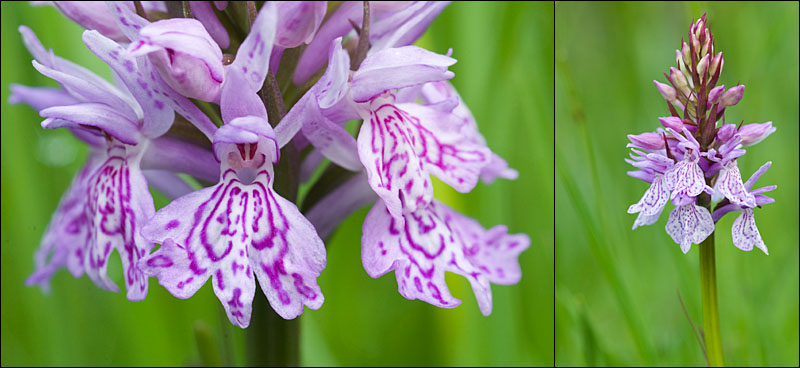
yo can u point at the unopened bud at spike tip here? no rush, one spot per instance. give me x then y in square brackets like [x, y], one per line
[732, 96]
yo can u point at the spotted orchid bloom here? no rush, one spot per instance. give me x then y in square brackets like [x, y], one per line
[400, 143]
[744, 232]
[108, 200]
[696, 153]
[191, 97]
[238, 228]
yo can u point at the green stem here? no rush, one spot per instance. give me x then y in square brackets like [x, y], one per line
[708, 286]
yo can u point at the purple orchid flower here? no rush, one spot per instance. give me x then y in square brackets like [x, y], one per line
[123, 130]
[435, 239]
[239, 226]
[399, 144]
[702, 151]
[744, 232]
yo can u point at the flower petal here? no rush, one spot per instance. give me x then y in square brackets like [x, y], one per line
[128, 21]
[40, 98]
[252, 58]
[397, 68]
[118, 204]
[298, 21]
[685, 178]
[185, 55]
[94, 115]
[689, 224]
[447, 146]
[654, 198]
[729, 183]
[493, 251]
[436, 239]
[86, 91]
[237, 101]
[404, 27]
[745, 233]
[386, 146]
[157, 99]
[203, 12]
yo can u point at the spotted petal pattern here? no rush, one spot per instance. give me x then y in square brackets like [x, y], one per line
[685, 178]
[745, 233]
[729, 183]
[399, 150]
[654, 198]
[433, 240]
[689, 224]
[235, 229]
[118, 202]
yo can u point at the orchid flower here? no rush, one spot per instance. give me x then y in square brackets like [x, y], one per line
[693, 152]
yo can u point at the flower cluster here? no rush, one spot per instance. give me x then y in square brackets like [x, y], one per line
[249, 101]
[692, 161]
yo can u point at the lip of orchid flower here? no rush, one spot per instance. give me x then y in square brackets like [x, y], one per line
[435, 239]
[277, 244]
[689, 224]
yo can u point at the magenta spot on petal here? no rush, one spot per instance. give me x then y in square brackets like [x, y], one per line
[302, 288]
[220, 281]
[235, 302]
[418, 284]
[436, 293]
[129, 66]
[158, 104]
[172, 224]
[159, 261]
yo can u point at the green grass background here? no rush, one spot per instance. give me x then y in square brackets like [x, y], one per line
[504, 73]
[616, 299]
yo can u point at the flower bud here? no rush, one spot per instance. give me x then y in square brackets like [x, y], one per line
[298, 21]
[186, 56]
[754, 133]
[714, 95]
[702, 67]
[695, 45]
[675, 123]
[732, 96]
[726, 132]
[679, 80]
[687, 58]
[715, 63]
[706, 43]
[667, 91]
[649, 141]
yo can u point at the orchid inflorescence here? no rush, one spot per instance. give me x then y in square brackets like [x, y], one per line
[238, 96]
[693, 160]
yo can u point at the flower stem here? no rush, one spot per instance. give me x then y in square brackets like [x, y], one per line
[271, 340]
[708, 287]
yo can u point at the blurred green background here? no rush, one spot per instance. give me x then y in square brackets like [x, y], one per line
[505, 75]
[616, 289]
